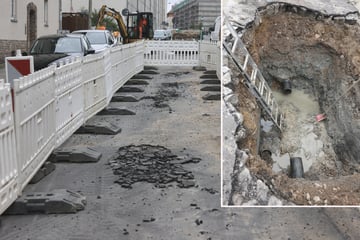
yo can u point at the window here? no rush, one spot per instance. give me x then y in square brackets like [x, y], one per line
[13, 10]
[46, 13]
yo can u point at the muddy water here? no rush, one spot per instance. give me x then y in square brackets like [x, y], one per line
[303, 136]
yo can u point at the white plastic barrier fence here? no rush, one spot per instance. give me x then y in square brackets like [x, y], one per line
[209, 54]
[8, 165]
[171, 53]
[69, 92]
[108, 76]
[34, 121]
[93, 72]
[50, 105]
[126, 62]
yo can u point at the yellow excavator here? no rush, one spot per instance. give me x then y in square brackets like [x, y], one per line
[139, 25]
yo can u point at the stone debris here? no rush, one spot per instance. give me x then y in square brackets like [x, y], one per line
[152, 164]
[198, 222]
[147, 220]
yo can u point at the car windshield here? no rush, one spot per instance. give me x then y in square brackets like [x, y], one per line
[56, 45]
[96, 37]
[159, 34]
[68, 45]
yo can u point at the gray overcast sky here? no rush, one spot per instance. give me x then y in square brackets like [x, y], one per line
[170, 3]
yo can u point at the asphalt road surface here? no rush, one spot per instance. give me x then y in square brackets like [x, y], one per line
[171, 115]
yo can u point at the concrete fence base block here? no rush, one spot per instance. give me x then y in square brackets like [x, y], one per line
[211, 72]
[149, 72]
[130, 89]
[150, 68]
[103, 128]
[116, 111]
[214, 88]
[199, 68]
[211, 81]
[75, 155]
[45, 170]
[209, 76]
[136, 82]
[212, 96]
[124, 98]
[139, 76]
[55, 202]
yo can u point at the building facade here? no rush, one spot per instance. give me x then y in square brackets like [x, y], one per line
[22, 21]
[194, 14]
[157, 7]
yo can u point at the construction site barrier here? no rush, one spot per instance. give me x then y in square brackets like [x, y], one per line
[51, 104]
[8, 165]
[209, 54]
[172, 53]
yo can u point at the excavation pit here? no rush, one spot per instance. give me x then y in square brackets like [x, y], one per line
[319, 56]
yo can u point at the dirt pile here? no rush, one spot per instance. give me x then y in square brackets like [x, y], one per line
[186, 35]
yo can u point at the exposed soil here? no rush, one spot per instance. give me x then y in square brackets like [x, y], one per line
[321, 59]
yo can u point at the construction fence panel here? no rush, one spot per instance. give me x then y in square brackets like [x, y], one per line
[108, 76]
[9, 187]
[93, 73]
[69, 104]
[209, 55]
[126, 62]
[171, 53]
[117, 65]
[34, 121]
[140, 47]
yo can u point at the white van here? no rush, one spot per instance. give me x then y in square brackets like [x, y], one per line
[162, 34]
[215, 35]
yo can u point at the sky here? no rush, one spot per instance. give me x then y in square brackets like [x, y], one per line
[170, 3]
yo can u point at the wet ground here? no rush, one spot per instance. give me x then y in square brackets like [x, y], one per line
[302, 136]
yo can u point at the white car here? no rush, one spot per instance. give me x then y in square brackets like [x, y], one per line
[99, 39]
[162, 34]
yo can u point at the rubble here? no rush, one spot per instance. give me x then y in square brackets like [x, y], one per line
[152, 164]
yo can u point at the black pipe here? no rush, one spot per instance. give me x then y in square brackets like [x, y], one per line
[296, 167]
[287, 86]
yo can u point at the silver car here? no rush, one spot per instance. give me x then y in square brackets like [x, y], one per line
[99, 39]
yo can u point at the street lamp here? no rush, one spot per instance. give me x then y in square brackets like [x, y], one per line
[201, 27]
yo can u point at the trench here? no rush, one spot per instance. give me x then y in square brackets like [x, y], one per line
[320, 56]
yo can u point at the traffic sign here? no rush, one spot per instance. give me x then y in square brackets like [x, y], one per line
[17, 67]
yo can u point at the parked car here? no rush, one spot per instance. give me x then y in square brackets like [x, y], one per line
[99, 39]
[215, 34]
[52, 49]
[162, 34]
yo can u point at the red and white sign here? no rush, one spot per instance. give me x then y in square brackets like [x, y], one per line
[17, 67]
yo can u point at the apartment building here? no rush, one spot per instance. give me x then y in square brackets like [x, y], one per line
[22, 21]
[191, 14]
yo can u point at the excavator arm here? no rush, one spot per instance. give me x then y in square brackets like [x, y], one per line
[106, 11]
